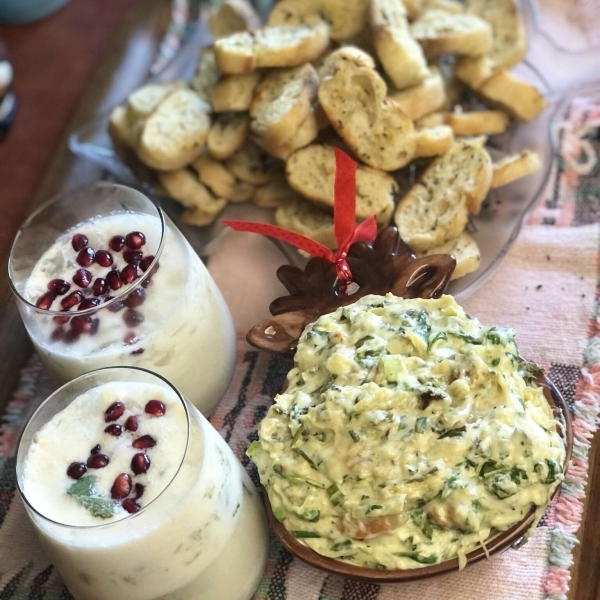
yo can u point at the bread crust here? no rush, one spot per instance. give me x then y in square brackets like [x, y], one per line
[514, 166]
[424, 98]
[215, 176]
[234, 93]
[227, 135]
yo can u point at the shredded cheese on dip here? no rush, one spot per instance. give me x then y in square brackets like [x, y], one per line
[409, 433]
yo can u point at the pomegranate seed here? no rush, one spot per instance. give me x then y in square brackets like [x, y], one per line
[132, 317]
[139, 490]
[88, 303]
[76, 470]
[146, 262]
[137, 352]
[146, 282]
[58, 334]
[86, 257]
[121, 487]
[131, 506]
[135, 240]
[79, 242]
[117, 306]
[82, 278]
[146, 441]
[95, 326]
[98, 461]
[59, 320]
[116, 243]
[132, 423]
[45, 300]
[71, 336]
[133, 257]
[71, 300]
[104, 258]
[59, 286]
[130, 338]
[155, 408]
[113, 278]
[114, 429]
[96, 449]
[135, 298]
[81, 324]
[140, 463]
[100, 287]
[129, 274]
[114, 411]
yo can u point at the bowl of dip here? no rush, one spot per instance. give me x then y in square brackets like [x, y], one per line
[411, 440]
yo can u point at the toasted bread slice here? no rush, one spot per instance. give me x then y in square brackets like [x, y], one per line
[275, 194]
[482, 122]
[474, 70]
[227, 135]
[414, 8]
[424, 98]
[433, 120]
[142, 102]
[271, 47]
[520, 99]
[121, 131]
[449, 6]
[311, 172]
[183, 185]
[201, 216]
[345, 18]
[514, 166]
[174, 134]
[433, 141]
[207, 74]
[374, 127]
[306, 219]
[253, 165]
[231, 16]
[464, 249]
[400, 54]
[282, 102]
[221, 181]
[440, 33]
[234, 93]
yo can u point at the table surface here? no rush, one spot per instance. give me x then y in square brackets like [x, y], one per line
[71, 66]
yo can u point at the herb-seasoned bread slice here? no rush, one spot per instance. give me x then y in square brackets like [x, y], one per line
[355, 101]
[201, 216]
[234, 93]
[174, 134]
[433, 141]
[121, 131]
[207, 74]
[275, 194]
[253, 165]
[142, 102]
[231, 16]
[227, 135]
[220, 181]
[286, 46]
[440, 33]
[183, 185]
[424, 98]
[282, 102]
[464, 249]
[400, 54]
[482, 122]
[514, 166]
[311, 172]
[306, 219]
[346, 18]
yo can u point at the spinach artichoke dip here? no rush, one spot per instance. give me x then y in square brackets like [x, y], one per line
[408, 434]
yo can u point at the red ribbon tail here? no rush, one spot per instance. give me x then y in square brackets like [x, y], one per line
[365, 232]
[344, 205]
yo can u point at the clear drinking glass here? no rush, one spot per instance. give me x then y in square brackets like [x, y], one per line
[154, 307]
[204, 537]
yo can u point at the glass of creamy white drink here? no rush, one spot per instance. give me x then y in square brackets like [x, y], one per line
[103, 277]
[136, 496]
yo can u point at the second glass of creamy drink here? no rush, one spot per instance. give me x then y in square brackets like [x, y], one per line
[103, 277]
[136, 496]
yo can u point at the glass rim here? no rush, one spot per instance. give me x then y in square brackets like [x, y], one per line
[122, 293]
[143, 508]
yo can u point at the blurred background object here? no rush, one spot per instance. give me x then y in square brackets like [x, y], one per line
[28, 11]
[8, 101]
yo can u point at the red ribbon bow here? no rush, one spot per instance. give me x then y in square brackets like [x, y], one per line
[344, 219]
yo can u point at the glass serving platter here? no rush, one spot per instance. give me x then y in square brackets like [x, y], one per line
[503, 214]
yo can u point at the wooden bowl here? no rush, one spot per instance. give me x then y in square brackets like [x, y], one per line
[494, 545]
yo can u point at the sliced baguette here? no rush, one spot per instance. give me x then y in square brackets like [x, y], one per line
[482, 122]
[440, 33]
[464, 249]
[221, 181]
[231, 16]
[207, 74]
[429, 121]
[183, 185]
[234, 93]
[433, 141]
[174, 134]
[271, 47]
[514, 166]
[414, 8]
[253, 165]
[275, 194]
[345, 18]
[227, 135]
[306, 219]
[424, 98]
[121, 131]
[201, 216]
[374, 127]
[282, 102]
[142, 102]
[311, 172]
[400, 54]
